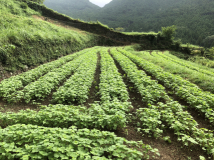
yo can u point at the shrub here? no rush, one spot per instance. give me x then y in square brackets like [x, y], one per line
[168, 32]
[23, 5]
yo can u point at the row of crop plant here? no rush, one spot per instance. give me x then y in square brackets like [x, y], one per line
[186, 64]
[41, 88]
[199, 77]
[36, 142]
[170, 111]
[83, 68]
[69, 139]
[149, 89]
[185, 90]
[61, 142]
[111, 87]
[76, 88]
[14, 83]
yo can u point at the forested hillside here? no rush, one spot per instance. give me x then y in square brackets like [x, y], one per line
[76, 9]
[194, 18]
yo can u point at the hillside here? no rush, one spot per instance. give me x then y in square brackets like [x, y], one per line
[27, 42]
[84, 91]
[76, 9]
[193, 18]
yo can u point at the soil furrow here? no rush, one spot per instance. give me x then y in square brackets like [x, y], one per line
[168, 151]
[93, 96]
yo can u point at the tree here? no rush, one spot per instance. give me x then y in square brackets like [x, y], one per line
[168, 32]
[209, 41]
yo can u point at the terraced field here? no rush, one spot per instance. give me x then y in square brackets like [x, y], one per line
[106, 103]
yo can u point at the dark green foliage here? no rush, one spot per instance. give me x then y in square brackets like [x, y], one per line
[34, 142]
[37, 1]
[23, 5]
[208, 41]
[3, 55]
[74, 8]
[193, 18]
[103, 30]
[168, 32]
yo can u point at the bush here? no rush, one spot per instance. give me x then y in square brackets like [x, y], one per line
[211, 53]
[23, 5]
[168, 32]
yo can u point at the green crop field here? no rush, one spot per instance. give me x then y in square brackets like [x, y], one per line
[90, 104]
[81, 91]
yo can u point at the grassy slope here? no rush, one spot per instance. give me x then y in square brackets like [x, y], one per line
[204, 81]
[28, 41]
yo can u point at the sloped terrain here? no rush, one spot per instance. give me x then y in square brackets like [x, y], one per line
[193, 18]
[138, 100]
[73, 8]
[26, 41]
[97, 102]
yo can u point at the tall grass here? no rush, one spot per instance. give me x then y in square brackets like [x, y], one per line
[25, 40]
[204, 81]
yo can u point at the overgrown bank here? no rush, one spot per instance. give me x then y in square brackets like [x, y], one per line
[26, 41]
[161, 41]
[150, 40]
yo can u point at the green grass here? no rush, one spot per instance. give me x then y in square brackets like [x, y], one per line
[191, 46]
[204, 81]
[140, 33]
[28, 41]
[195, 64]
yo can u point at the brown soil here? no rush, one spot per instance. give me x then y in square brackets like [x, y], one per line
[173, 151]
[93, 96]
[197, 116]
[5, 107]
[168, 151]
[135, 97]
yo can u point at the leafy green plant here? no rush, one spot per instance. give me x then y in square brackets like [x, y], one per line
[64, 116]
[41, 88]
[76, 88]
[111, 82]
[185, 90]
[149, 89]
[167, 139]
[150, 121]
[57, 143]
[183, 124]
[168, 32]
[187, 65]
[13, 84]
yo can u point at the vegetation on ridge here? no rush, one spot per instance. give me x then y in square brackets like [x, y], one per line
[26, 41]
[193, 18]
